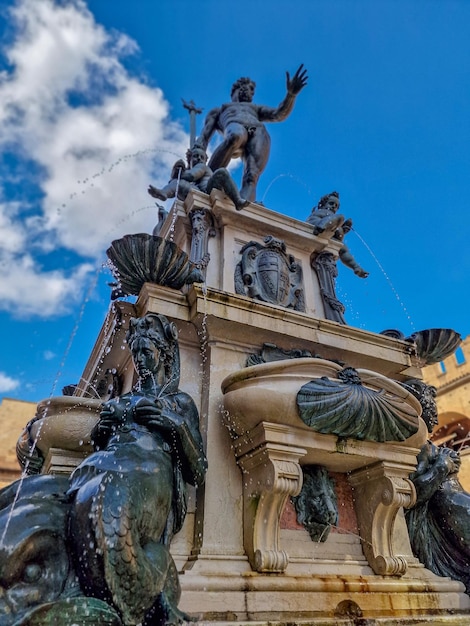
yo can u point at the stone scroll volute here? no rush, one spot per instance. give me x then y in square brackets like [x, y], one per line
[271, 474]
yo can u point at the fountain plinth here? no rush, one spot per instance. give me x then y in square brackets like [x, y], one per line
[325, 404]
[237, 541]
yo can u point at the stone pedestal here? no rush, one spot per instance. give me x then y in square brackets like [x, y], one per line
[239, 560]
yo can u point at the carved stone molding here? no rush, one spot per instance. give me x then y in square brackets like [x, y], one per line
[380, 492]
[271, 474]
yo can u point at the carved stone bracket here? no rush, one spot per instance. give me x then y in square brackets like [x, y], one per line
[380, 492]
[271, 473]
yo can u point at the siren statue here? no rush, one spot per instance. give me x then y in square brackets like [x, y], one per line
[119, 509]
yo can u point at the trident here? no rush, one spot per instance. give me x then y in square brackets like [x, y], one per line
[193, 111]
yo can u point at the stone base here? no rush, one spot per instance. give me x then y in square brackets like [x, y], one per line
[254, 598]
[325, 583]
[435, 620]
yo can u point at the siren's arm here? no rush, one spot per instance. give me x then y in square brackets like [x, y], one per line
[183, 426]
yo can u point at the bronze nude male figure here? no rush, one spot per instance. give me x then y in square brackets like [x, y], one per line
[241, 122]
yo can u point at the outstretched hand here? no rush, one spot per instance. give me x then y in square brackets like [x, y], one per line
[297, 82]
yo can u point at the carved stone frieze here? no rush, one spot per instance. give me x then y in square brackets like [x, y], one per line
[268, 273]
[270, 352]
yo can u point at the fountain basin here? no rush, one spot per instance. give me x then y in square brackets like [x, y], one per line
[65, 423]
[268, 392]
[435, 344]
[142, 258]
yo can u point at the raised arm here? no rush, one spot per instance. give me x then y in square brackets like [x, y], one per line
[211, 124]
[294, 85]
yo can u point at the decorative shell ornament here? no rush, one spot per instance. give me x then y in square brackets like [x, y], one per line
[352, 407]
[142, 258]
[435, 344]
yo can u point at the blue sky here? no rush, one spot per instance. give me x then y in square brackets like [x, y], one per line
[90, 114]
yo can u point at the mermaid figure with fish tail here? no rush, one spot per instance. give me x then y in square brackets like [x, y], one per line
[130, 493]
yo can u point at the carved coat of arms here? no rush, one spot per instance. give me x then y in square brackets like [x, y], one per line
[268, 273]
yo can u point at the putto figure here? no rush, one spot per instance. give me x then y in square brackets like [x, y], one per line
[129, 495]
[241, 124]
[197, 176]
[326, 221]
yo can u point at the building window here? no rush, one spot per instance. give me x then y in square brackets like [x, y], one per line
[459, 356]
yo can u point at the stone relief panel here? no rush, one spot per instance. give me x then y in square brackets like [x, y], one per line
[267, 273]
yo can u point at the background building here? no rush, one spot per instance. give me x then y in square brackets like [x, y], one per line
[451, 378]
[14, 414]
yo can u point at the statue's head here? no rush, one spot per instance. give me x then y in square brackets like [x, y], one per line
[35, 566]
[243, 90]
[330, 202]
[426, 394]
[38, 578]
[196, 155]
[152, 340]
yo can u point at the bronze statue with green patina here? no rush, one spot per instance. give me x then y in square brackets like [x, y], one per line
[326, 221]
[129, 495]
[439, 522]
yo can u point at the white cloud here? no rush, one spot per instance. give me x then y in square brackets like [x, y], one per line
[27, 291]
[12, 233]
[7, 383]
[49, 355]
[97, 135]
